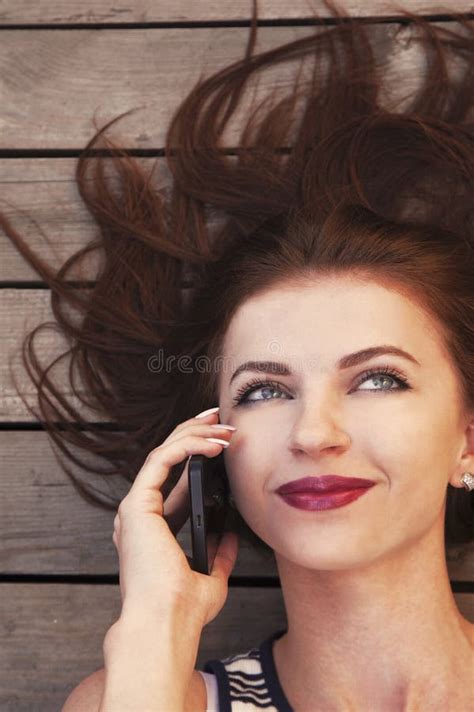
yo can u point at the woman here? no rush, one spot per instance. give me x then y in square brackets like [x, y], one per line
[358, 239]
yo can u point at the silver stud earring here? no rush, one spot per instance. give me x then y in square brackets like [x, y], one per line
[468, 481]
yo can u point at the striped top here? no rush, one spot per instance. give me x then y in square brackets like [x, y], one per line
[246, 681]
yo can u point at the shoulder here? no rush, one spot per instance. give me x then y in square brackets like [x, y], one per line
[86, 697]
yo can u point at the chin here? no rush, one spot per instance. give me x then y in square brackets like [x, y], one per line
[318, 557]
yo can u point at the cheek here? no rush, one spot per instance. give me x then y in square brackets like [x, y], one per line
[416, 457]
[246, 467]
[420, 444]
[398, 440]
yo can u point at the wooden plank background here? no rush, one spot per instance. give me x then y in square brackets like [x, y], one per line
[61, 63]
[23, 12]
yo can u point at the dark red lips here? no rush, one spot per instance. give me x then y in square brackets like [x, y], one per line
[325, 483]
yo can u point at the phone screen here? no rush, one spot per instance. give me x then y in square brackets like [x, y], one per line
[208, 492]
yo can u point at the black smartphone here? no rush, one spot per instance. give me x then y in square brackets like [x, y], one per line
[209, 507]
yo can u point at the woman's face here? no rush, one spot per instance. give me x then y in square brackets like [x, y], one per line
[321, 419]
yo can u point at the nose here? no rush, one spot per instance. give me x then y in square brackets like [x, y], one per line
[317, 426]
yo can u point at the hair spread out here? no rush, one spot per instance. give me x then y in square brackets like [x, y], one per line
[328, 177]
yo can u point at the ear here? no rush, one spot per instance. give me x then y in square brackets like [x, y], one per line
[466, 462]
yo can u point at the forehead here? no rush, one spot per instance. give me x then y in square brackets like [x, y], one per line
[327, 318]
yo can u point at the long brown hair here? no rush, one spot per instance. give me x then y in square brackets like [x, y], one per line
[325, 179]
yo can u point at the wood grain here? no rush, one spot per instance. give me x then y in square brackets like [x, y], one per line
[142, 11]
[20, 311]
[40, 199]
[53, 83]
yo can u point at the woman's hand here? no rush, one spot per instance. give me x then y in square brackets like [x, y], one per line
[155, 575]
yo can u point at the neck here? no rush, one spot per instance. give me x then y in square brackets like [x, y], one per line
[387, 635]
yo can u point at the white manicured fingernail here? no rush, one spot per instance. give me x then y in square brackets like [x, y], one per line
[218, 440]
[207, 412]
[226, 427]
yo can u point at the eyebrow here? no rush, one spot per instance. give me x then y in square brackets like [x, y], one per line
[347, 361]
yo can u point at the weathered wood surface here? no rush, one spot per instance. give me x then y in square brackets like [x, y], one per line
[22, 12]
[20, 311]
[53, 82]
[39, 196]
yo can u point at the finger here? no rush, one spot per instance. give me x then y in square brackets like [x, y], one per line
[177, 505]
[217, 430]
[176, 508]
[147, 484]
[197, 427]
[197, 419]
[226, 556]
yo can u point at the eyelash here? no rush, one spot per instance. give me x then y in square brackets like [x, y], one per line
[251, 386]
